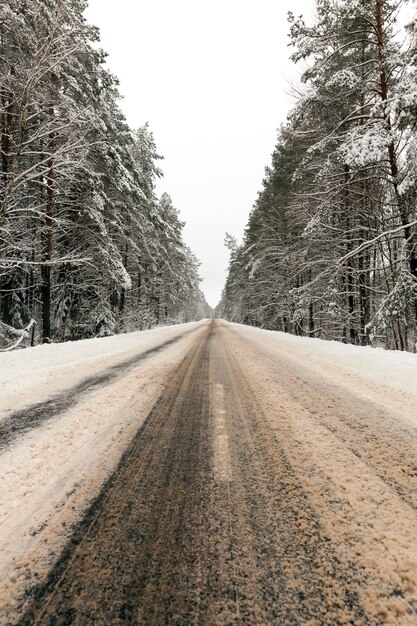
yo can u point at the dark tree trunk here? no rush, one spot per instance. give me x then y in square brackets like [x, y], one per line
[409, 236]
[46, 243]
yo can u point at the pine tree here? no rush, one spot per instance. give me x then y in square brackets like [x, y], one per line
[81, 227]
[330, 245]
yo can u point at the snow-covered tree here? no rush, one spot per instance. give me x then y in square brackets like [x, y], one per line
[330, 247]
[81, 227]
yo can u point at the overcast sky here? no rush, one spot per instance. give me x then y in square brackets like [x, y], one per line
[212, 79]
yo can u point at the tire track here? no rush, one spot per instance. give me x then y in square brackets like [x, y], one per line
[369, 522]
[20, 422]
[298, 577]
[383, 442]
[130, 547]
[173, 541]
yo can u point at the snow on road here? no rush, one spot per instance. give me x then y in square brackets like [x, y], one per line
[49, 475]
[386, 376]
[346, 417]
[34, 375]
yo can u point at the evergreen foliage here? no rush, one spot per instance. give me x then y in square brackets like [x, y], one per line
[86, 247]
[330, 249]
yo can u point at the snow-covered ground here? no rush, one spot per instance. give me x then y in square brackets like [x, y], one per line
[35, 374]
[387, 377]
[345, 418]
[50, 474]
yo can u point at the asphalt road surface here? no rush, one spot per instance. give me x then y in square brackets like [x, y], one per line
[254, 493]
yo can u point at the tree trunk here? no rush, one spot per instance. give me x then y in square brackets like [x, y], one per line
[392, 156]
[46, 243]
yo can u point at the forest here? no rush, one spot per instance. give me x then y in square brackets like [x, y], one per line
[330, 247]
[87, 248]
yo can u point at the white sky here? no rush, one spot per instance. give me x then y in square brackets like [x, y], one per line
[212, 79]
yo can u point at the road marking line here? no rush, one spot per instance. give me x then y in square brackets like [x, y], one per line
[222, 465]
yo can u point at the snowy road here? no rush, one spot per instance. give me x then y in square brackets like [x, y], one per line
[21, 421]
[264, 479]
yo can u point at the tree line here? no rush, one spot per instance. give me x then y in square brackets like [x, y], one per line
[87, 248]
[330, 248]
